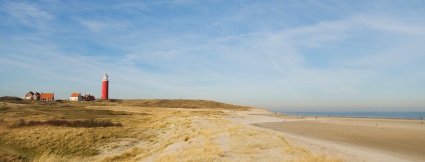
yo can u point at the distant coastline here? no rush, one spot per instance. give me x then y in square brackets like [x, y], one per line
[395, 115]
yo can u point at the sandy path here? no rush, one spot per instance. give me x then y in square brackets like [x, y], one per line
[352, 139]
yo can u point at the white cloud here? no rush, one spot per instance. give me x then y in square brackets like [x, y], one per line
[28, 14]
[390, 25]
[107, 25]
[283, 48]
[95, 26]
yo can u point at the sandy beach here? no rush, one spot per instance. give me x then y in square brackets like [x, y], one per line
[351, 139]
[405, 138]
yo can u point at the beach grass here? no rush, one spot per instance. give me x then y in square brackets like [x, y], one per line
[121, 130]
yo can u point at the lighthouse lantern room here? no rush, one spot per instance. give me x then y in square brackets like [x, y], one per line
[105, 87]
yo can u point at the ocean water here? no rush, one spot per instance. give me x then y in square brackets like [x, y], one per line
[405, 115]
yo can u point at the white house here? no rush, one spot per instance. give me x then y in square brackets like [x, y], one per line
[76, 97]
[32, 96]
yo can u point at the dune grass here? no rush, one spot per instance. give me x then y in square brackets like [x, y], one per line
[195, 104]
[121, 130]
[316, 158]
[60, 129]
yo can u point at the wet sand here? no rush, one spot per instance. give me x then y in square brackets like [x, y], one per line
[403, 138]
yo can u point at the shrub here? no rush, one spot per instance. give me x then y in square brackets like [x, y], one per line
[67, 123]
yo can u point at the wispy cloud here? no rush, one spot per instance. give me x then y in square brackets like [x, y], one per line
[95, 26]
[28, 13]
[104, 25]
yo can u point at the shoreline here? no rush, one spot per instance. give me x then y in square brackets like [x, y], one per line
[282, 115]
[318, 114]
[356, 117]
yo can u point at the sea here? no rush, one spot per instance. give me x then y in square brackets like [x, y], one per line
[403, 115]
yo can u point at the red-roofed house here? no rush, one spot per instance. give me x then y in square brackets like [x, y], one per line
[88, 97]
[47, 97]
[76, 97]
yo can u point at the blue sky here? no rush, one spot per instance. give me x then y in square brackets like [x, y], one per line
[284, 55]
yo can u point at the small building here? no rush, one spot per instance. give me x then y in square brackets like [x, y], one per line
[76, 97]
[88, 97]
[47, 97]
[32, 96]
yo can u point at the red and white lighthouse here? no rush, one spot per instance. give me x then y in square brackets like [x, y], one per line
[105, 87]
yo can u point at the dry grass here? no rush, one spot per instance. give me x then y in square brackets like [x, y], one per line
[48, 132]
[70, 131]
[127, 156]
[316, 158]
[47, 157]
[8, 155]
[194, 104]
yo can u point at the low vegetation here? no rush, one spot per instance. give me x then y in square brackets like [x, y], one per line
[65, 123]
[194, 104]
[135, 130]
[10, 99]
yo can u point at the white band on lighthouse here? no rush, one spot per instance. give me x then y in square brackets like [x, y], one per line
[105, 77]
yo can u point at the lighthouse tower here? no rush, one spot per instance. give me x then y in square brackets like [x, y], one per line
[105, 87]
